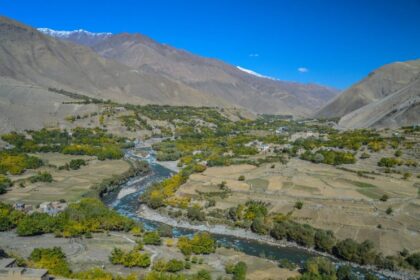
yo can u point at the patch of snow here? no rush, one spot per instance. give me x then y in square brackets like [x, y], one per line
[67, 34]
[254, 73]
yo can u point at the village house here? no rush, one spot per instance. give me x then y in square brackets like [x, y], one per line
[10, 271]
[52, 208]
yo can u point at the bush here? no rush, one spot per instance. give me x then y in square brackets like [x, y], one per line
[406, 175]
[388, 162]
[344, 273]
[319, 266]
[241, 178]
[239, 272]
[41, 177]
[95, 273]
[329, 157]
[165, 230]
[52, 259]
[4, 184]
[37, 223]
[324, 240]
[152, 238]
[414, 260]
[389, 211]
[195, 214]
[259, 226]
[9, 217]
[76, 163]
[174, 265]
[298, 205]
[364, 156]
[201, 243]
[384, 197]
[350, 250]
[133, 258]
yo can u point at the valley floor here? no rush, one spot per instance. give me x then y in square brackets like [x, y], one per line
[332, 199]
[87, 253]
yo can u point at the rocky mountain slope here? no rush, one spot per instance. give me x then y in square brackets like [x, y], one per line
[37, 59]
[212, 77]
[387, 97]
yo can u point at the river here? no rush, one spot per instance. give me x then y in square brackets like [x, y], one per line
[126, 202]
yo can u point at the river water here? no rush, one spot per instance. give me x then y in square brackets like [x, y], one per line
[127, 203]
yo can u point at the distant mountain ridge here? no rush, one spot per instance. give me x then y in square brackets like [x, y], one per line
[81, 35]
[387, 97]
[216, 79]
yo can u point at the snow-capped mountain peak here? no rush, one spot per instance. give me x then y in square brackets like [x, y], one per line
[66, 34]
[80, 36]
[254, 73]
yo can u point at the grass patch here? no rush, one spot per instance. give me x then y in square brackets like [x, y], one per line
[371, 193]
[287, 185]
[259, 185]
[360, 184]
[308, 189]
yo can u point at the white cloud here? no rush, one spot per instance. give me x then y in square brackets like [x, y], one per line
[254, 55]
[303, 69]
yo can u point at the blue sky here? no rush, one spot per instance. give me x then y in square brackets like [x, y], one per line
[337, 42]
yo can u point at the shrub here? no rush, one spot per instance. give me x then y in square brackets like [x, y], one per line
[37, 223]
[364, 156]
[239, 272]
[195, 214]
[384, 197]
[324, 240]
[388, 162]
[52, 259]
[202, 275]
[241, 178]
[259, 226]
[201, 243]
[9, 217]
[95, 273]
[398, 153]
[4, 184]
[133, 258]
[152, 238]
[389, 211]
[165, 230]
[350, 250]
[319, 266]
[344, 273]
[370, 276]
[406, 175]
[76, 163]
[174, 265]
[41, 177]
[298, 205]
[414, 260]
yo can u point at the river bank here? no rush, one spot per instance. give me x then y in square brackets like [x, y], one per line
[150, 214]
[128, 204]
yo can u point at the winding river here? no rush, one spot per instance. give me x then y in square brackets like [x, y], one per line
[126, 202]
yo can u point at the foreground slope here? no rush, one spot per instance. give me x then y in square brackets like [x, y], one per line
[389, 96]
[212, 77]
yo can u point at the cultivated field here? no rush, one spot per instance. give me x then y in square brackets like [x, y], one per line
[87, 253]
[67, 184]
[332, 198]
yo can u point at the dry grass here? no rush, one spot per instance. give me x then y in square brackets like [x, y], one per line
[68, 184]
[333, 199]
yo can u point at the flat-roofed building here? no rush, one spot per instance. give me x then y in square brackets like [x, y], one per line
[10, 271]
